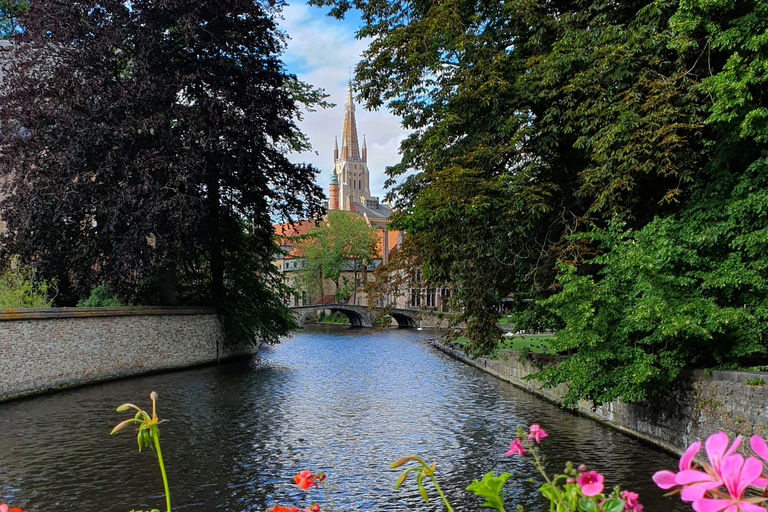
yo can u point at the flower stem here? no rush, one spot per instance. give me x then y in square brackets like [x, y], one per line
[156, 438]
[540, 466]
[440, 491]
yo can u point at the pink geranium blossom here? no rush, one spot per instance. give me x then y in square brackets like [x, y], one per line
[666, 479]
[516, 447]
[696, 483]
[630, 502]
[736, 475]
[591, 483]
[716, 449]
[537, 433]
[761, 449]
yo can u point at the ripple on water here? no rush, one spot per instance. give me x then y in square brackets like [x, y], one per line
[348, 402]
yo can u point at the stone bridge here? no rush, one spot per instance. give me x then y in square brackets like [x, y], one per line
[359, 316]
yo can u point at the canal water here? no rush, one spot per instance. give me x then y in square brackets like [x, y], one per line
[348, 402]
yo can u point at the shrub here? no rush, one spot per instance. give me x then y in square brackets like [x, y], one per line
[101, 297]
[20, 289]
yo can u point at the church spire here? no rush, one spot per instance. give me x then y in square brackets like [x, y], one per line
[350, 149]
[335, 149]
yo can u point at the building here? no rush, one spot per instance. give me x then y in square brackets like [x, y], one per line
[348, 190]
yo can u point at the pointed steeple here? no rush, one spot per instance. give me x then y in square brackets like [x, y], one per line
[349, 145]
[335, 149]
[365, 150]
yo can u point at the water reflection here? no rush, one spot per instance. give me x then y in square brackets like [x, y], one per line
[348, 402]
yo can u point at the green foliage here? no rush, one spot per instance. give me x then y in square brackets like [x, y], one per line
[10, 11]
[342, 242]
[531, 317]
[758, 381]
[101, 297]
[679, 292]
[333, 318]
[156, 153]
[490, 489]
[19, 288]
[610, 155]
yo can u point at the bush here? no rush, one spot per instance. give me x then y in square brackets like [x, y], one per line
[101, 297]
[19, 289]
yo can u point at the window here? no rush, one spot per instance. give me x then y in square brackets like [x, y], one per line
[430, 297]
[415, 297]
[445, 297]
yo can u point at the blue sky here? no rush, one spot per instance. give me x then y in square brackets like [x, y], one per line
[321, 51]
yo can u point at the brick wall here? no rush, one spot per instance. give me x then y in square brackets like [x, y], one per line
[45, 349]
[696, 407]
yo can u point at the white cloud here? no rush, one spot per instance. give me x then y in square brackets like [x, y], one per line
[322, 51]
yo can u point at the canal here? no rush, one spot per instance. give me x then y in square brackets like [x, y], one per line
[348, 402]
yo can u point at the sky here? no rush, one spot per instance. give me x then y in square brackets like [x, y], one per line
[323, 51]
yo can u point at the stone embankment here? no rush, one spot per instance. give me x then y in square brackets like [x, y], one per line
[699, 405]
[47, 349]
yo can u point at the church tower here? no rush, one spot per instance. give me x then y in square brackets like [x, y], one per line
[350, 166]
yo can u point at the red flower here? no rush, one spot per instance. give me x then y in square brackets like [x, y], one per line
[275, 509]
[4, 508]
[303, 480]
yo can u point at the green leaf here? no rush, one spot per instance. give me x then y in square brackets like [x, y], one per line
[612, 505]
[587, 505]
[490, 489]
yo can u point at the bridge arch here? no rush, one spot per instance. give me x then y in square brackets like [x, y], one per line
[355, 318]
[359, 316]
[403, 320]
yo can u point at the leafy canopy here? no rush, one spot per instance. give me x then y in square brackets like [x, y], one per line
[144, 145]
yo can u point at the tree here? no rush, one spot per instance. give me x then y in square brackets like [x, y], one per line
[10, 11]
[609, 155]
[342, 242]
[690, 288]
[152, 153]
[514, 145]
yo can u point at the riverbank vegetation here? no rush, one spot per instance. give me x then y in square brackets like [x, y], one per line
[605, 160]
[153, 154]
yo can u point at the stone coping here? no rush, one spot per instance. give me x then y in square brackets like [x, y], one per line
[7, 315]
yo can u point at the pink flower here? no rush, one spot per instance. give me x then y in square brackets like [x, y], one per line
[4, 508]
[761, 449]
[716, 449]
[697, 483]
[630, 502]
[666, 479]
[537, 433]
[591, 483]
[737, 475]
[516, 447]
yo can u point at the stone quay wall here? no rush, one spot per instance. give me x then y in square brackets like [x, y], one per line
[699, 405]
[47, 349]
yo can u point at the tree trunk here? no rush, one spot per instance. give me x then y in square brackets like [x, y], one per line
[215, 243]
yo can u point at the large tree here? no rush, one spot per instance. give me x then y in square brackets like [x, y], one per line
[619, 146]
[342, 242]
[531, 121]
[144, 143]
